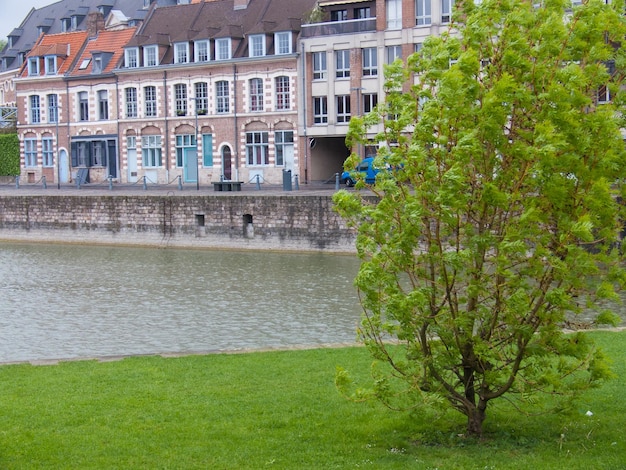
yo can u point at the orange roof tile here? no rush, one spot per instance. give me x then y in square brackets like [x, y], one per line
[66, 46]
[112, 41]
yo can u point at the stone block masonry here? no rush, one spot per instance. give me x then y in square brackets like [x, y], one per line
[259, 222]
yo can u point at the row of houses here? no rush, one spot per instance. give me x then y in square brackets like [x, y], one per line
[204, 90]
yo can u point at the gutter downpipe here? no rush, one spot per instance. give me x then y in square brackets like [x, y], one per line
[304, 111]
[167, 130]
[117, 121]
[235, 140]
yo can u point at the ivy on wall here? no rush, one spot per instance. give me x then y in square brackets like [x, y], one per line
[9, 155]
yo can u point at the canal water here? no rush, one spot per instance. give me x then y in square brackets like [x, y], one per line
[69, 301]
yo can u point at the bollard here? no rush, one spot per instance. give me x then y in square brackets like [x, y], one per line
[286, 180]
[43, 182]
[110, 183]
[145, 184]
[296, 183]
[180, 183]
[336, 181]
[221, 178]
[17, 182]
[258, 182]
[78, 181]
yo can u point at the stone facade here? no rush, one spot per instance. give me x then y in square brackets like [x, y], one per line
[288, 222]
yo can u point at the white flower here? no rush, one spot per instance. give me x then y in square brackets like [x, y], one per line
[589, 413]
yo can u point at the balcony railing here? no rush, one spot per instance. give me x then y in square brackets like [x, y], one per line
[338, 27]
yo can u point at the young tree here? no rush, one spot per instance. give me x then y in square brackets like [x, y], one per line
[499, 211]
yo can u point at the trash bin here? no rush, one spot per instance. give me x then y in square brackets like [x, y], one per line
[286, 180]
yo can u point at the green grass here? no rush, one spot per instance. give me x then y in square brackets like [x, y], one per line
[277, 410]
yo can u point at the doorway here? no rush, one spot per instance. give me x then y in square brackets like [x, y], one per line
[227, 170]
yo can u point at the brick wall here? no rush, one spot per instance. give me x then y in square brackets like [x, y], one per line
[289, 222]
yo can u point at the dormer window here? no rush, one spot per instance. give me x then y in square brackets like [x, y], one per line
[256, 45]
[97, 64]
[222, 49]
[51, 64]
[33, 66]
[181, 53]
[201, 51]
[9, 42]
[131, 58]
[66, 24]
[282, 42]
[150, 56]
[76, 19]
[146, 3]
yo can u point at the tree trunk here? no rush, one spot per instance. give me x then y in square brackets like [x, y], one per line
[475, 418]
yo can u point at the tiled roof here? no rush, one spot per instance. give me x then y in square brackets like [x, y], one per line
[25, 35]
[220, 18]
[111, 42]
[66, 46]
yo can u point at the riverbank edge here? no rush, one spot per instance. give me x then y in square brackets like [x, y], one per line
[249, 222]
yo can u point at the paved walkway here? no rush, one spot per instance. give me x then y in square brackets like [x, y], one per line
[189, 189]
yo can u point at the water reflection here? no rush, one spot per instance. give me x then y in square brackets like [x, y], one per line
[75, 301]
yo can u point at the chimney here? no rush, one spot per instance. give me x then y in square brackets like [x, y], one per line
[241, 4]
[95, 23]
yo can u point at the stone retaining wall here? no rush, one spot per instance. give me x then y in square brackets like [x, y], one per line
[287, 222]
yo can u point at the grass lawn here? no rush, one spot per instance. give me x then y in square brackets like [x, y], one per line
[277, 410]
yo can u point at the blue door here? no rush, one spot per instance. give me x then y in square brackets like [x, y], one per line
[190, 164]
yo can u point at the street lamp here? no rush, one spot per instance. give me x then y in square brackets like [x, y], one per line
[195, 100]
[56, 120]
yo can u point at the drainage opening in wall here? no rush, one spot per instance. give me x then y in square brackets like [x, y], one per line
[199, 220]
[248, 227]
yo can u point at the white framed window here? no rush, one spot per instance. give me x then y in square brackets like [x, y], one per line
[342, 63]
[222, 49]
[47, 152]
[256, 45]
[446, 10]
[103, 105]
[150, 99]
[202, 51]
[256, 94]
[35, 109]
[343, 108]
[201, 97]
[423, 15]
[222, 97]
[180, 99]
[370, 61]
[370, 100]
[393, 9]
[131, 58]
[257, 148]
[30, 152]
[282, 43]
[181, 53]
[151, 151]
[50, 62]
[131, 102]
[150, 56]
[392, 53]
[283, 93]
[83, 106]
[319, 66]
[283, 144]
[33, 66]
[362, 13]
[53, 108]
[184, 142]
[320, 110]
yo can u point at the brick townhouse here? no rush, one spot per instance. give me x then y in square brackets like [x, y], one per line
[200, 91]
[220, 89]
